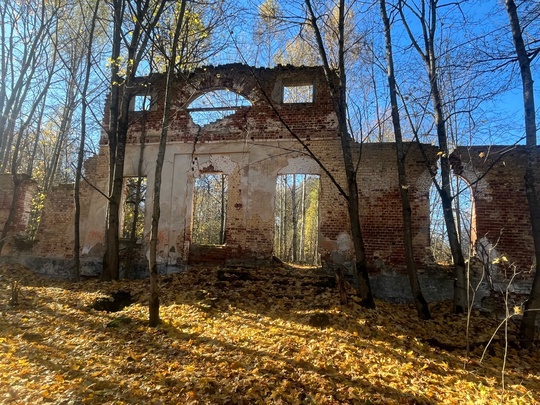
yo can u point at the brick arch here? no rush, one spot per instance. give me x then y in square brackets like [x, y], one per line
[206, 90]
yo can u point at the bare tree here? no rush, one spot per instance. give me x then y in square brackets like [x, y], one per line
[419, 300]
[524, 58]
[339, 93]
[426, 16]
[82, 141]
[29, 25]
[154, 288]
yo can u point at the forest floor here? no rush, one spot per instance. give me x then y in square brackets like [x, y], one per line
[246, 336]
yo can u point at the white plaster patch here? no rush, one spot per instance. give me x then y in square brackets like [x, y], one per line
[220, 163]
[344, 242]
[300, 165]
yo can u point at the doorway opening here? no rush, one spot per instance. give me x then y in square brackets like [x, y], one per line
[209, 209]
[297, 219]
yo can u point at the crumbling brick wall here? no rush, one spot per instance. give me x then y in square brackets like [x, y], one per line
[23, 206]
[259, 142]
[496, 176]
[253, 147]
[55, 236]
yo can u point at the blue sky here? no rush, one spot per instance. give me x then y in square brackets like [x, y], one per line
[498, 120]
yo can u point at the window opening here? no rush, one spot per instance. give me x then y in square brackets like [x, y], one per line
[215, 105]
[297, 219]
[209, 209]
[464, 215]
[142, 103]
[298, 94]
[134, 206]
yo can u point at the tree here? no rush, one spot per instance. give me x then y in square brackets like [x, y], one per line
[154, 288]
[145, 16]
[426, 16]
[524, 58]
[338, 92]
[82, 142]
[21, 80]
[29, 25]
[269, 14]
[419, 300]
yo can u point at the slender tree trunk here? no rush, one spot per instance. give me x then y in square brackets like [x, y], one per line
[428, 24]
[294, 206]
[422, 307]
[154, 288]
[223, 214]
[65, 126]
[301, 253]
[339, 94]
[82, 142]
[30, 166]
[284, 218]
[131, 256]
[532, 306]
[121, 94]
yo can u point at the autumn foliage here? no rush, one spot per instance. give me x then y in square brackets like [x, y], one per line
[245, 336]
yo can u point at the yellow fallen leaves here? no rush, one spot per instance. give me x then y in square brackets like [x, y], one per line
[246, 338]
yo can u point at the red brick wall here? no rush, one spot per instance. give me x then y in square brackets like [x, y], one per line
[55, 236]
[501, 206]
[496, 175]
[255, 123]
[22, 207]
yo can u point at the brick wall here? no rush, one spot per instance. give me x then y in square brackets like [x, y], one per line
[55, 236]
[259, 122]
[253, 147]
[496, 175]
[22, 206]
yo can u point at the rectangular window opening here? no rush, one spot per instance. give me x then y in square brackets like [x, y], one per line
[298, 94]
[142, 103]
[133, 208]
[296, 238]
[209, 209]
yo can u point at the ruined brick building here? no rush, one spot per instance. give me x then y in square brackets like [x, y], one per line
[248, 139]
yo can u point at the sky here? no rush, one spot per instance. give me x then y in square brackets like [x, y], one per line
[497, 120]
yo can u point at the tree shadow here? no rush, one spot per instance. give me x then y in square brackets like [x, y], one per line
[193, 365]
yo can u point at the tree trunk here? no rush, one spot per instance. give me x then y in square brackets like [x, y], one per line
[146, 19]
[421, 305]
[223, 214]
[294, 221]
[428, 24]
[301, 253]
[131, 257]
[532, 306]
[154, 288]
[339, 94]
[82, 142]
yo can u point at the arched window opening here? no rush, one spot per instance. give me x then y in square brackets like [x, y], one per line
[297, 219]
[464, 216]
[216, 105]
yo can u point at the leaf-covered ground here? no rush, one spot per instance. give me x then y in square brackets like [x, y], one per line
[246, 336]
